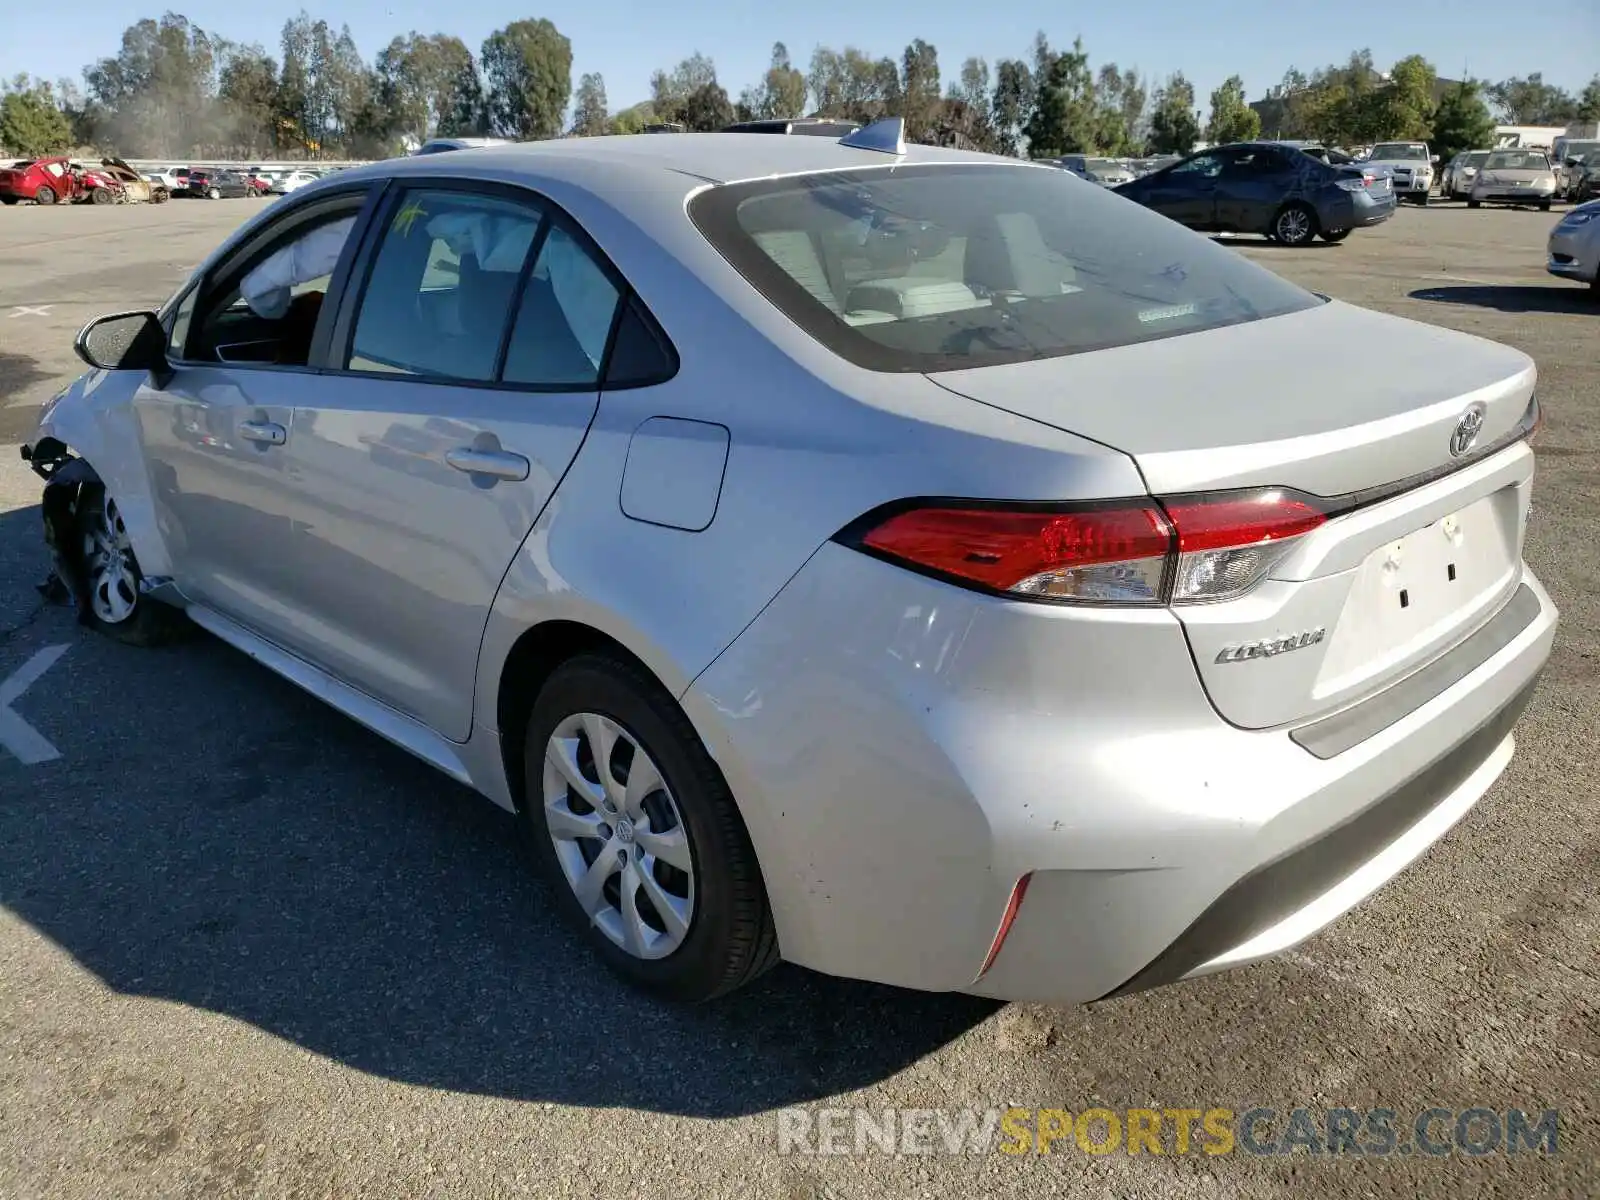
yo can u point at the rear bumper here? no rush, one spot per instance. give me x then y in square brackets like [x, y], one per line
[1355, 210]
[1282, 901]
[1387, 798]
[904, 751]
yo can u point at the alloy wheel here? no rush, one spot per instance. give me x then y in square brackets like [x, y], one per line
[108, 561]
[1293, 226]
[618, 835]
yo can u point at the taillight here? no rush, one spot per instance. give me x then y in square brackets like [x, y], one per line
[1108, 555]
[1188, 550]
[1227, 544]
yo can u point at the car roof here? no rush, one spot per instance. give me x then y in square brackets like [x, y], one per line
[653, 160]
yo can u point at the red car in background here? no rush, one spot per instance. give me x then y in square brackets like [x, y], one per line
[49, 180]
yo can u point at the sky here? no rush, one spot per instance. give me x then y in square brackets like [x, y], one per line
[1206, 39]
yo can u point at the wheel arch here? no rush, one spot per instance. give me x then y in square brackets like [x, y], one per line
[532, 658]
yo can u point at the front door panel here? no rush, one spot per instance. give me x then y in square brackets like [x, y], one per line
[216, 441]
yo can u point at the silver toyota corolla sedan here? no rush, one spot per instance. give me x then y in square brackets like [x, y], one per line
[922, 566]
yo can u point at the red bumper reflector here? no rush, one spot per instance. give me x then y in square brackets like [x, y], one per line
[1012, 906]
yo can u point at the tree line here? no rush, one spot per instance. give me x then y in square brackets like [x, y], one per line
[176, 90]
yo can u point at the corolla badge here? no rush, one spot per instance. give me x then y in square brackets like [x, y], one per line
[1467, 430]
[1267, 647]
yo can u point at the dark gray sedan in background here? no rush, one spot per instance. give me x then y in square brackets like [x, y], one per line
[1265, 188]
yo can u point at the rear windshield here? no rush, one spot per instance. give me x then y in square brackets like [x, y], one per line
[1477, 158]
[934, 268]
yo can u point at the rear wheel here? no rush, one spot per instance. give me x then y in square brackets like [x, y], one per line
[112, 602]
[1335, 235]
[640, 836]
[1295, 225]
[45, 195]
[213, 194]
[101, 195]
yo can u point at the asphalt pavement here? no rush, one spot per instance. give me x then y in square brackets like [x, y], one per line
[249, 949]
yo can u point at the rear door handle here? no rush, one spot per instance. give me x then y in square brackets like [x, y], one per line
[265, 432]
[501, 464]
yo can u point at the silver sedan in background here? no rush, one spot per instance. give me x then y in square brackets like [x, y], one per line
[1574, 251]
[1514, 177]
[910, 563]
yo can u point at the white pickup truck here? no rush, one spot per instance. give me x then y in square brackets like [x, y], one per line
[1409, 166]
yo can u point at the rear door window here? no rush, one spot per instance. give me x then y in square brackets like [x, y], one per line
[931, 268]
[442, 286]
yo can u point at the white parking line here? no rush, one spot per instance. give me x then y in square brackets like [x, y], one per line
[16, 735]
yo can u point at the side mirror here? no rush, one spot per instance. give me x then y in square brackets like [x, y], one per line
[130, 341]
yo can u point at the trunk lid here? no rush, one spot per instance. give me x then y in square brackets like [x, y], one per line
[1426, 549]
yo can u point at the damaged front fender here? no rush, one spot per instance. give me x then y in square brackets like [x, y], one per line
[89, 432]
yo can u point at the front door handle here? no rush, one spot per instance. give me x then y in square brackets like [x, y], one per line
[266, 432]
[500, 464]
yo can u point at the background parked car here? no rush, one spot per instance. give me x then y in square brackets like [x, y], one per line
[1514, 177]
[1410, 166]
[1261, 187]
[52, 180]
[1105, 171]
[1455, 182]
[219, 185]
[135, 188]
[1574, 249]
[1575, 158]
[290, 180]
[1585, 181]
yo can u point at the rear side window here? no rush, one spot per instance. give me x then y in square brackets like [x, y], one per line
[442, 286]
[565, 318]
[933, 268]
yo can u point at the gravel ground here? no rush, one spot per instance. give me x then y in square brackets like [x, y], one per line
[248, 949]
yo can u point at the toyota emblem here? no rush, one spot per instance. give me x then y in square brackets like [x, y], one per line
[1467, 429]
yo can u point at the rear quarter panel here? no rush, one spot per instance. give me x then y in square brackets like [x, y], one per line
[814, 442]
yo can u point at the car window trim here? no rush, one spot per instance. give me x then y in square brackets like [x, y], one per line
[552, 214]
[268, 237]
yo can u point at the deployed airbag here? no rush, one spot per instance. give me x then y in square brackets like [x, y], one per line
[269, 286]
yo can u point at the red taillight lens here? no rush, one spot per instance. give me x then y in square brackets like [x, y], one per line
[1109, 555]
[1189, 550]
[1227, 544]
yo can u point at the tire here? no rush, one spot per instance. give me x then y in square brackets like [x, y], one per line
[1474, 203]
[1544, 206]
[101, 195]
[1335, 235]
[213, 194]
[113, 604]
[45, 195]
[1295, 225]
[1423, 199]
[721, 935]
